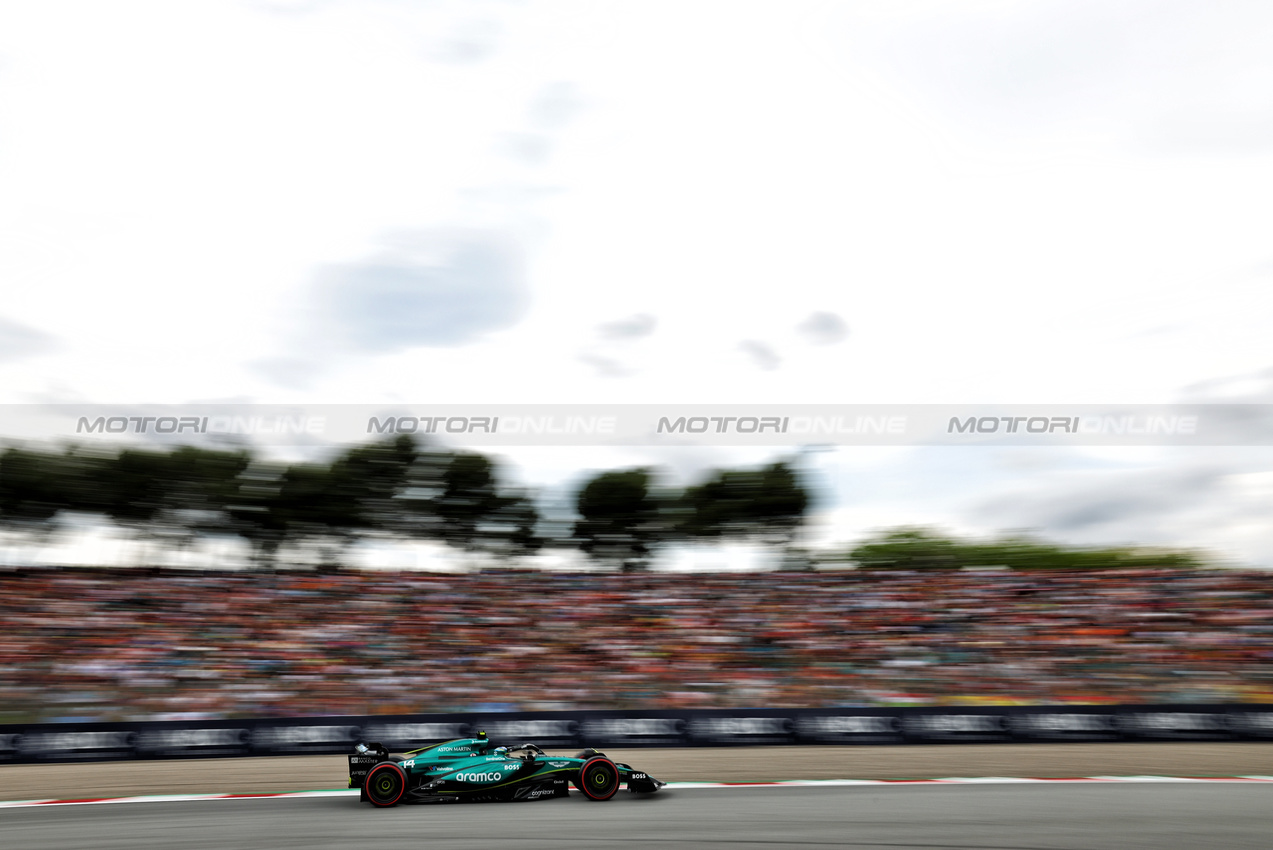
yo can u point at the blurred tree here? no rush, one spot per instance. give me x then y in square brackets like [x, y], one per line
[314, 506]
[388, 489]
[511, 528]
[255, 511]
[368, 480]
[622, 518]
[355, 496]
[155, 495]
[781, 503]
[768, 503]
[907, 549]
[34, 489]
[201, 486]
[170, 497]
[469, 496]
[458, 499]
[130, 489]
[523, 517]
[413, 513]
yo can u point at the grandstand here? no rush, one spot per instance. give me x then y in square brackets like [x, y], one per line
[106, 645]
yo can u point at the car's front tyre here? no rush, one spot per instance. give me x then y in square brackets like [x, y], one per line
[599, 779]
[385, 784]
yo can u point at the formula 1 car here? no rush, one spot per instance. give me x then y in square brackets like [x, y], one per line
[474, 769]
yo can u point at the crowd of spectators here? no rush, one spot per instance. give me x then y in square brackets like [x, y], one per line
[124, 645]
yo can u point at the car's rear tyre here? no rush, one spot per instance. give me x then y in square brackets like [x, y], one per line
[599, 779]
[385, 784]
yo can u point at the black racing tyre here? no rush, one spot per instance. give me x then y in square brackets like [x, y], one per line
[599, 779]
[585, 755]
[385, 784]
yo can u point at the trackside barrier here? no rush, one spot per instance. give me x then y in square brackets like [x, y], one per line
[85, 742]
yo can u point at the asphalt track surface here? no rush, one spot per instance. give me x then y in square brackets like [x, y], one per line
[1000, 816]
[1052, 816]
[722, 764]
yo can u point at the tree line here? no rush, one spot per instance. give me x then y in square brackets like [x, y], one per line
[391, 489]
[922, 549]
[400, 489]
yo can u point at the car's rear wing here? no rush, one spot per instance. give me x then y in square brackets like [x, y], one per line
[363, 759]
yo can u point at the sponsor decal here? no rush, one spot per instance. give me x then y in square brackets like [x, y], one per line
[160, 740]
[416, 732]
[740, 727]
[1064, 724]
[535, 793]
[532, 729]
[823, 725]
[1255, 723]
[478, 776]
[954, 724]
[78, 744]
[633, 727]
[279, 737]
[1172, 723]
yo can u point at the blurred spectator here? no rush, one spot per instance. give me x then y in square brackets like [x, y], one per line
[113, 645]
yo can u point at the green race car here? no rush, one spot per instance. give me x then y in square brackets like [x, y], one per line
[474, 769]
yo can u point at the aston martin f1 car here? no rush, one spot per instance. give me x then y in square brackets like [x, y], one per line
[474, 769]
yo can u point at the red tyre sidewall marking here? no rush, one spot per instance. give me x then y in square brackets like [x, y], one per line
[583, 778]
[401, 776]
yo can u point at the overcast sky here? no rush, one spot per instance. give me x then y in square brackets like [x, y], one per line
[306, 201]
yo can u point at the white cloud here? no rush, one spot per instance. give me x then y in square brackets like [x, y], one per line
[18, 341]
